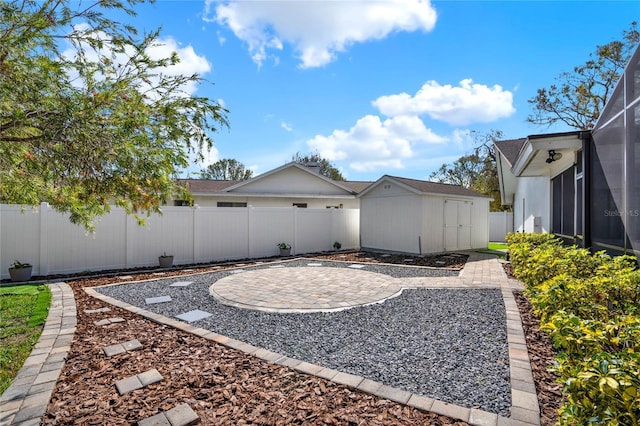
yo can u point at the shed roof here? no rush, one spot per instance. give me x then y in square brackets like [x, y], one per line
[427, 187]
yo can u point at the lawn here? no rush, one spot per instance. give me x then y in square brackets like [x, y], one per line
[23, 311]
[495, 248]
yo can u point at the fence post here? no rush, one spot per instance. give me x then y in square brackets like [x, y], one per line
[43, 267]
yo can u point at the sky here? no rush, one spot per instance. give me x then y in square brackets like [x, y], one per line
[376, 87]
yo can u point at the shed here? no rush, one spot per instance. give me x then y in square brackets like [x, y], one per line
[415, 216]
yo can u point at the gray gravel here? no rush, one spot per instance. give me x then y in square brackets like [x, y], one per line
[448, 344]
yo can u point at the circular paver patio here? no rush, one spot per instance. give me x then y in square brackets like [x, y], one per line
[306, 289]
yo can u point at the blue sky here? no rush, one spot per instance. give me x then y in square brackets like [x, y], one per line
[386, 87]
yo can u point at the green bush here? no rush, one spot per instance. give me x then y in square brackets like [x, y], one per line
[589, 304]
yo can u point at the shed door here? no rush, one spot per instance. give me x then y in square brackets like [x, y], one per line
[457, 225]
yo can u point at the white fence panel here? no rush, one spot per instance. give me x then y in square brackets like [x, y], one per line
[269, 226]
[313, 230]
[345, 228]
[500, 223]
[69, 248]
[19, 237]
[46, 238]
[222, 234]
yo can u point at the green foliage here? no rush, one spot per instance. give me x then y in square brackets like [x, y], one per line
[578, 98]
[326, 168]
[23, 310]
[476, 170]
[88, 117]
[226, 169]
[589, 304]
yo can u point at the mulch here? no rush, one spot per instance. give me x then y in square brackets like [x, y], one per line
[223, 385]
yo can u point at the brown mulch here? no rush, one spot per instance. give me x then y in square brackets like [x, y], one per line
[223, 385]
[450, 261]
[541, 354]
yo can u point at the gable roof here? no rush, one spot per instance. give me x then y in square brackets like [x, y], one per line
[206, 186]
[225, 187]
[510, 149]
[424, 187]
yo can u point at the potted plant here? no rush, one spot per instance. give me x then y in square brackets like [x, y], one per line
[166, 260]
[20, 271]
[337, 245]
[285, 249]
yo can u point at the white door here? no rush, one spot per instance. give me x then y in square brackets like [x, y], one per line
[457, 225]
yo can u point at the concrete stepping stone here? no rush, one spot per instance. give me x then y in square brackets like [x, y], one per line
[121, 348]
[181, 284]
[440, 262]
[139, 381]
[181, 415]
[237, 271]
[357, 266]
[125, 277]
[108, 321]
[158, 273]
[194, 315]
[276, 266]
[188, 270]
[314, 264]
[96, 311]
[159, 299]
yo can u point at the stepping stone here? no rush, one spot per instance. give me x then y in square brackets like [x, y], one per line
[108, 321]
[385, 255]
[157, 273]
[159, 299]
[181, 415]
[187, 270]
[241, 264]
[132, 383]
[314, 264]
[125, 277]
[276, 266]
[237, 271]
[194, 315]
[96, 311]
[121, 348]
[440, 262]
[357, 266]
[181, 284]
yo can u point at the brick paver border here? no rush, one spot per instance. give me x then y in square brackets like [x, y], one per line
[26, 400]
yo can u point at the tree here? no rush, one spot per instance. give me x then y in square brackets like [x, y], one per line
[226, 169]
[87, 116]
[477, 170]
[326, 168]
[579, 96]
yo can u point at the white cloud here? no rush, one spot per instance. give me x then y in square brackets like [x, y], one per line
[317, 30]
[461, 105]
[372, 144]
[286, 126]
[190, 63]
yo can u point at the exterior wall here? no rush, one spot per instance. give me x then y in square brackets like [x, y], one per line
[290, 181]
[312, 203]
[53, 245]
[532, 200]
[394, 219]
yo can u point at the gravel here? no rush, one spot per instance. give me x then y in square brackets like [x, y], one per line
[447, 344]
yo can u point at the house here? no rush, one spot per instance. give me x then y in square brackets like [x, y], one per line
[583, 186]
[416, 216]
[290, 185]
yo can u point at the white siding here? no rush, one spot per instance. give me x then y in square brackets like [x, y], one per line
[312, 203]
[291, 181]
[532, 200]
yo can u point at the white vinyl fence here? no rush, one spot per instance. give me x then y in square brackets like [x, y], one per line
[46, 239]
[500, 223]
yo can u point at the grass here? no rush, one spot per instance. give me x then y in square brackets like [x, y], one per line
[495, 248]
[23, 311]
